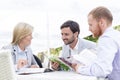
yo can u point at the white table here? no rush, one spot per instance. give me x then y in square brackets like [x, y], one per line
[57, 75]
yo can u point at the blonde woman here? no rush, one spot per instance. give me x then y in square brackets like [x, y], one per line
[20, 47]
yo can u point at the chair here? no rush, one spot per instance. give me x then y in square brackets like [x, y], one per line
[38, 61]
[7, 71]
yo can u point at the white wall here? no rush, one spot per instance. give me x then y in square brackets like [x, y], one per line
[47, 16]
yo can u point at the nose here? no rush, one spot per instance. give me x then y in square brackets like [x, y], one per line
[89, 28]
[63, 36]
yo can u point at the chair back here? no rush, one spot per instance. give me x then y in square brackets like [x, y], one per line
[7, 71]
[38, 61]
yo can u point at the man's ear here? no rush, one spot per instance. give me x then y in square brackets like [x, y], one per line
[76, 34]
[101, 22]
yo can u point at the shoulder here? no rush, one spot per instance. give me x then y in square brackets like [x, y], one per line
[65, 47]
[29, 50]
[9, 46]
[110, 32]
[64, 51]
[87, 44]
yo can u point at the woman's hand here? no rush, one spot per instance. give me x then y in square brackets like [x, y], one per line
[21, 63]
[34, 66]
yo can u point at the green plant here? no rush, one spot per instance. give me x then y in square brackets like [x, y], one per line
[91, 38]
[55, 51]
[117, 27]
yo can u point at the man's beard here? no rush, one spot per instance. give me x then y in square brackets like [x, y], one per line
[98, 33]
[70, 41]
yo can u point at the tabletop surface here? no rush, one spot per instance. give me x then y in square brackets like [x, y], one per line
[56, 75]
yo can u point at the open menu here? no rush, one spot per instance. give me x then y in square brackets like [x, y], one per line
[85, 57]
[65, 63]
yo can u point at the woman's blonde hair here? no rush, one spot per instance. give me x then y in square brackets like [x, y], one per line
[20, 31]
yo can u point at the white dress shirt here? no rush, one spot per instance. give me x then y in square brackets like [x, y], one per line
[107, 48]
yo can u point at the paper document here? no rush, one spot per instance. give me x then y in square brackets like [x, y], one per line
[85, 57]
[31, 70]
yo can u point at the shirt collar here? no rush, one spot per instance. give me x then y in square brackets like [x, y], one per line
[76, 46]
[19, 50]
[107, 30]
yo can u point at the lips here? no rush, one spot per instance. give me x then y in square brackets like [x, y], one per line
[65, 40]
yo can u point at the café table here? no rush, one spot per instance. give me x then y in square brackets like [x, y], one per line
[55, 75]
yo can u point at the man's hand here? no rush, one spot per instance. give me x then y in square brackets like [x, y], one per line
[21, 63]
[55, 65]
[76, 66]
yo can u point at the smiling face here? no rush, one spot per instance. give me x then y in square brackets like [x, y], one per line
[68, 36]
[94, 26]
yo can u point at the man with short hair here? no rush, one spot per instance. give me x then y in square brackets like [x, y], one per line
[73, 44]
[107, 64]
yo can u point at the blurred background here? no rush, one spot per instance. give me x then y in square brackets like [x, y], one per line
[46, 16]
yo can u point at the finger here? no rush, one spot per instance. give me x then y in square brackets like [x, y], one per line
[56, 64]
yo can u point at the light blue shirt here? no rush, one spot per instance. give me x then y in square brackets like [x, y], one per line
[21, 54]
[108, 62]
[18, 54]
